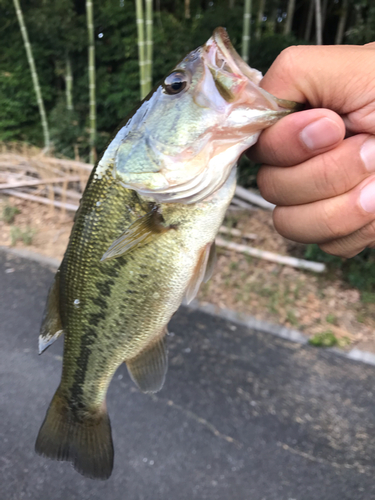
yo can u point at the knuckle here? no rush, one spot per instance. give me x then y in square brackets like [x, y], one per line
[367, 233]
[288, 58]
[329, 219]
[265, 184]
[339, 249]
[333, 179]
[279, 218]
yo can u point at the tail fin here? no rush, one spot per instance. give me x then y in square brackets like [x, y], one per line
[86, 443]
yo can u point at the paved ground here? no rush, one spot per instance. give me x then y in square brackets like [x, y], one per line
[243, 415]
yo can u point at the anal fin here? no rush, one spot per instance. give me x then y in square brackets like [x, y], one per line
[142, 231]
[148, 369]
[51, 327]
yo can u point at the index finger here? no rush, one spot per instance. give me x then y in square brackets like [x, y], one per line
[339, 78]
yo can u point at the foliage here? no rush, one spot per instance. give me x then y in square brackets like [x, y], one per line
[328, 339]
[359, 271]
[9, 213]
[58, 28]
[17, 234]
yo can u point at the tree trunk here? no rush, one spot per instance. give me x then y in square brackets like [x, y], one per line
[34, 74]
[187, 9]
[342, 22]
[91, 54]
[258, 32]
[149, 19]
[141, 48]
[246, 34]
[69, 84]
[310, 16]
[289, 17]
[318, 19]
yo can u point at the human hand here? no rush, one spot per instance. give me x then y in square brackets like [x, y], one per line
[323, 185]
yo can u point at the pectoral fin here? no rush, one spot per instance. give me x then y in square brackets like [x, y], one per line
[51, 327]
[203, 271]
[142, 231]
[149, 368]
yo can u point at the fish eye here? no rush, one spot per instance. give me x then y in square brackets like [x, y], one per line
[175, 82]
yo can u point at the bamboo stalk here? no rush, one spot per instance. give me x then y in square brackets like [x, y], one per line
[69, 84]
[318, 23]
[289, 17]
[317, 267]
[247, 195]
[246, 34]
[149, 19]
[187, 9]
[309, 20]
[39, 199]
[141, 48]
[34, 74]
[91, 71]
[262, 5]
[38, 182]
[243, 204]
[342, 22]
[237, 233]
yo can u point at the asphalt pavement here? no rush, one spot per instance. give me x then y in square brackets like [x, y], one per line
[243, 415]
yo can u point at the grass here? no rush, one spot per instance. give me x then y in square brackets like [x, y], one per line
[328, 339]
[25, 235]
[9, 213]
[331, 318]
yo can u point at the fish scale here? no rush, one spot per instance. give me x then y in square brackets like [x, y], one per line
[143, 238]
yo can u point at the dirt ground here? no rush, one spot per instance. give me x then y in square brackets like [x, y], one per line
[315, 304]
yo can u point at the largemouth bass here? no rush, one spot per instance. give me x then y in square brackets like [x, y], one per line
[143, 238]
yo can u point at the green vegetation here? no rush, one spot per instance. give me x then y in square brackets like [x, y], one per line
[9, 213]
[331, 318]
[328, 339]
[25, 235]
[58, 35]
[359, 271]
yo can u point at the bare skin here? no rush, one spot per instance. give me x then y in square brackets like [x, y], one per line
[319, 164]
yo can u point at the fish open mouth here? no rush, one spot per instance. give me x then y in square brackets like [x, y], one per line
[232, 74]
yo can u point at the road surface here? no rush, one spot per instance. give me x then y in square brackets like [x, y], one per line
[243, 415]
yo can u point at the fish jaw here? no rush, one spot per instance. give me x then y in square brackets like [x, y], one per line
[204, 130]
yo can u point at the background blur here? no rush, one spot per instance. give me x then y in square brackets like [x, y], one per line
[85, 69]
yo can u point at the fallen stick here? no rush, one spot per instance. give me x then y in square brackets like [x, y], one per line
[39, 199]
[247, 195]
[317, 267]
[37, 182]
[243, 204]
[237, 232]
[67, 163]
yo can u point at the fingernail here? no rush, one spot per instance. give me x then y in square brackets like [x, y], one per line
[321, 134]
[367, 197]
[368, 154]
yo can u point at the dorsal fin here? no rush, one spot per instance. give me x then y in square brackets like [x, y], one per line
[51, 327]
[148, 369]
[202, 272]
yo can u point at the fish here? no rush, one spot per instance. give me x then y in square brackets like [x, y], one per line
[144, 238]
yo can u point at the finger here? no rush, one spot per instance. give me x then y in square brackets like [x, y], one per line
[325, 176]
[330, 219]
[353, 244]
[298, 137]
[320, 75]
